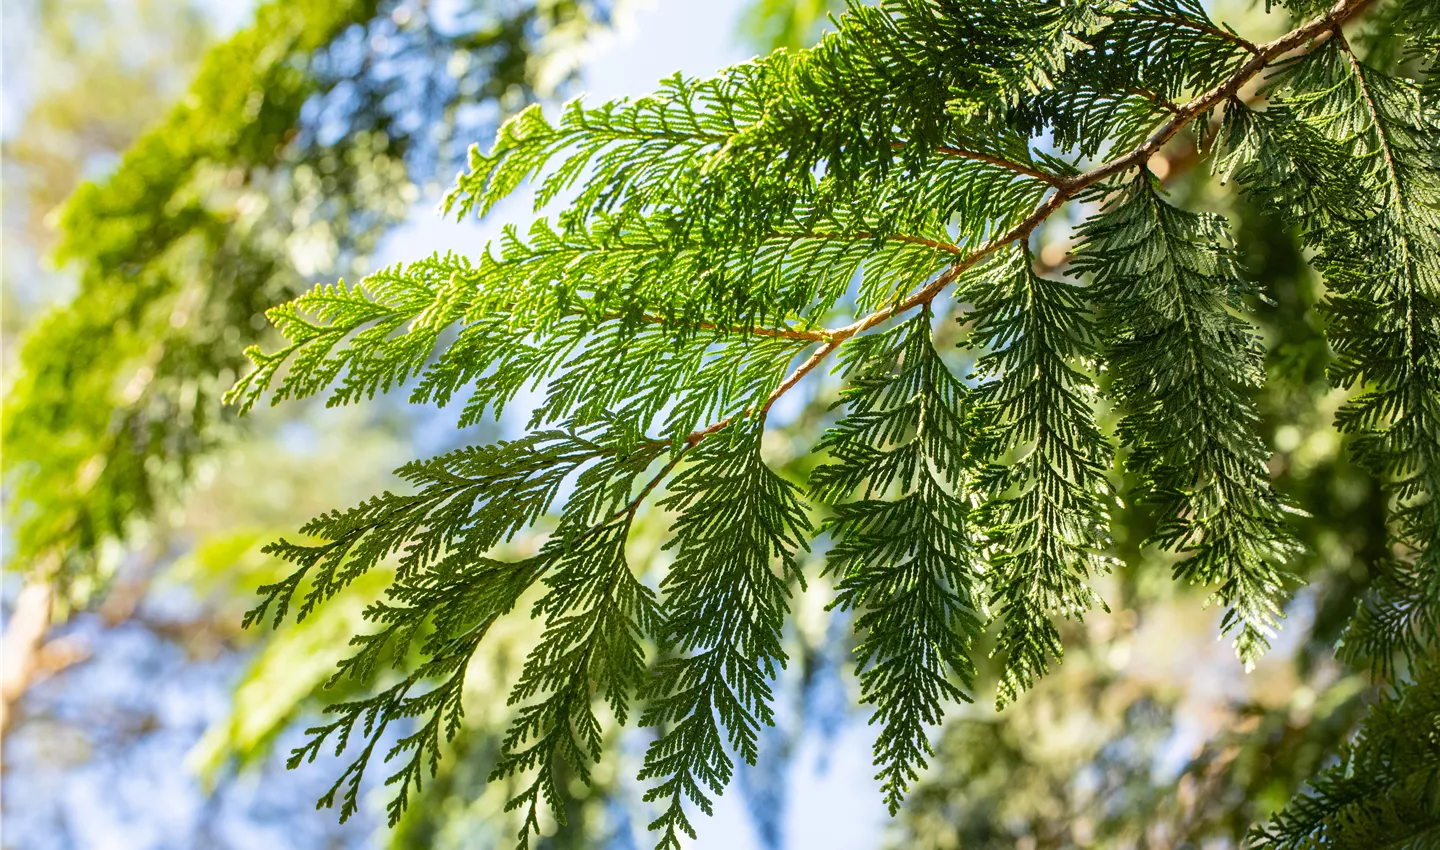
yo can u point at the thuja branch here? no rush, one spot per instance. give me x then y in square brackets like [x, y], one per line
[710, 230]
[1321, 27]
[1067, 188]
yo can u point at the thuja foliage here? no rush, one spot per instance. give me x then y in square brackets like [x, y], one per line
[1382, 791]
[717, 242]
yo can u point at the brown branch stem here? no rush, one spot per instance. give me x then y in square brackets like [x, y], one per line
[999, 162]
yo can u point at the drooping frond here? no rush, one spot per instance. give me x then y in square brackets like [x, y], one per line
[470, 499]
[595, 615]
[1182, 360]
[1047, 460]
[444, 613]
[904, 552]
[726, 607]
[1382, 262]
[447, 593]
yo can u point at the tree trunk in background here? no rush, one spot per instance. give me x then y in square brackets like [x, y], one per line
[24, 635]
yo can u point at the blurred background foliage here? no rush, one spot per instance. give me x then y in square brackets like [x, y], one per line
[173, 167]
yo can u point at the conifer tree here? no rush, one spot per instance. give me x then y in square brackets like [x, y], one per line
[714, 244]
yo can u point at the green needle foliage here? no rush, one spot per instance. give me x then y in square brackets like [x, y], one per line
[907, 563]
[726, 607]
[1182, 360]
[1046, 461]
[1378, 245]
[1386, 329]
[1382, 793]
[595, 615]
[711, 245]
